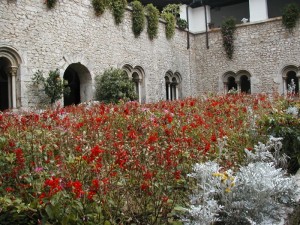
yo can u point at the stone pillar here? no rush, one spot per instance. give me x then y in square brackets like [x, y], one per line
[284, 86]
[13, 73]
[225, 87]
[258, 10]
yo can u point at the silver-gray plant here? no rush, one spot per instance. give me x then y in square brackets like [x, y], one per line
[257, 194]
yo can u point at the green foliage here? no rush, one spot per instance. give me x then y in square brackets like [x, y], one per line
[53, 85]
[113, 86]
[286, 125]
[227, 30]
[99, 6]
[138, 18]
[173, 9]
[153, 19]
[290, 16]
[51, 3]
[118, 9]
[170, 24]
[181, 23]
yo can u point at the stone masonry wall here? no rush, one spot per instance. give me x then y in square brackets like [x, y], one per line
[262, 49]
[71, 33]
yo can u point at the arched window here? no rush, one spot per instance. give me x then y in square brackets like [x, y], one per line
[239, 81]
[5, 84]
[172, 84]
[231, 84]
[136, 81]
[291, 80]
[245, 84]
[136, 74]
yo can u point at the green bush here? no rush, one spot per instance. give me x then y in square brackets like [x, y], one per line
[181, 23]
[153, 19]
[99, 6]
[290, 16]
[113, 86]
[53, 85]
[227, 30]
[118, 10]
[170, 24]
[138, 18]
[286, 124]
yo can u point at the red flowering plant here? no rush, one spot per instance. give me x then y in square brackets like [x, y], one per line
[118, 164]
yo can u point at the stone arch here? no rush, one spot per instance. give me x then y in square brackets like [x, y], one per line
[137, 75]
[240, 81]
[79, 80]
[173, 85]
[229, 81]
[10, 86]
[243, 78]
[291, 79]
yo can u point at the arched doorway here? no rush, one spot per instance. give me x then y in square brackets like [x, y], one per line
[78, 79]
[5, 84]
[73, 82]
[245, 84]
[10, 85]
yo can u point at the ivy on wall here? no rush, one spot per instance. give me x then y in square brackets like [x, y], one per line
[51, 3]
[227, 31]
[138, 18]
[290, 16]
[118, 9]
[170, 24]
[153, 18]
[99, 6]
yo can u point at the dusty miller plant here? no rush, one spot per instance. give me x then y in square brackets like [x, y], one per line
[256, 194]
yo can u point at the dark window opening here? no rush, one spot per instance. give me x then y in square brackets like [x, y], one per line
[245, 84]
[231, 85]
[73, 82]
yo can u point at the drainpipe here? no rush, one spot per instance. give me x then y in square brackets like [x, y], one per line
[206, 31]
[188, 27]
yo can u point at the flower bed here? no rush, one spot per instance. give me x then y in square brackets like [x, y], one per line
[119, 164]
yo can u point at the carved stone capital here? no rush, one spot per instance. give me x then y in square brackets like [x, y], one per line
[13, 71]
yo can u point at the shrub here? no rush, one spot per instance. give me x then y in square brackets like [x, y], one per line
[99, 6]
[153, 19]
[53, 85]
[227, 30]
[138, 18]
[290, 16]
[170, 24]
[255, 194]
[181, 23]
[113, 86]
[118, 9]
[285, 123]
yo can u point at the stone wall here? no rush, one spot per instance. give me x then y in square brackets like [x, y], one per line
[263, 49]
[71, 33]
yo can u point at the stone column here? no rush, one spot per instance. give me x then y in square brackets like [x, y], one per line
[238, 84]
[284, 86]
[258, 10]
[13, 73]
[225, 87]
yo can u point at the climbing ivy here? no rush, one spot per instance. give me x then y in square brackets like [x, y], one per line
[138, 18]
[51, 3]
[290, 16]
[227, 30]
[99, 6]
[170, 24]
[153, 18]
[118, 9]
